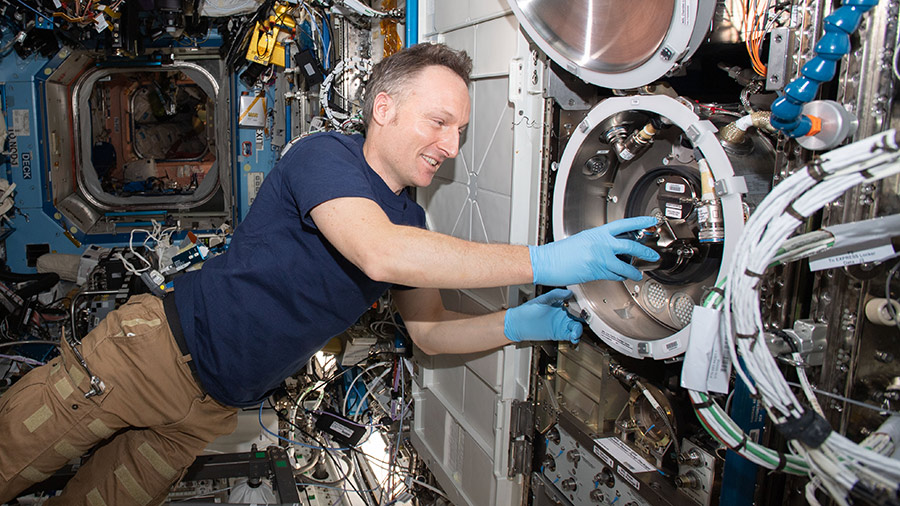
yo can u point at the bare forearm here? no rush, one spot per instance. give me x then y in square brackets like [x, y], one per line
[421, 258]
[461, 334]
[411, 256]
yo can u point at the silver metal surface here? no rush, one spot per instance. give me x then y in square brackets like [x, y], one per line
[605, 36]
[651, 317]
[866, 87]
[776, 68]
[619, 45]
[622, 305]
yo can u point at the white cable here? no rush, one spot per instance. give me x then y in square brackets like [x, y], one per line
[367, 394]
[429, 487]
[838, 464]
[361, 65]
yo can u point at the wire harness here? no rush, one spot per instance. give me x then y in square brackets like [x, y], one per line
[835, 464]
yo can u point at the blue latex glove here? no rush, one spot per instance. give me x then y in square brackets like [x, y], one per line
[591, 254]
[542, 319]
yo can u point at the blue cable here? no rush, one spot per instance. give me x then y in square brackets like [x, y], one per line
[787, 110]
[41, 14]
[326, 41]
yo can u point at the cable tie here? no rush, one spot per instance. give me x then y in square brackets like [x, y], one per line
[867, 174]
[815, 170]
[810, 429]
[794, 213]
[705, 404]
[782, 462]
[748, 272]
[743, 442]
[717, 290]
[884, 146]
[787, 339]
[744, 336]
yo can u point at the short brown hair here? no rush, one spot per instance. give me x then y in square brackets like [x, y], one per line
[393, 74]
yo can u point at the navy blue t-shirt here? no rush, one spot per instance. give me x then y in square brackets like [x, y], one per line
[256, 314]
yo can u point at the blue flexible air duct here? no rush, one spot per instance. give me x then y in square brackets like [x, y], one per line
[835, 43]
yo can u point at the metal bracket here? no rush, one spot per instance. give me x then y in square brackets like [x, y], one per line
[776, 68]
[521, 432]
[731, 185]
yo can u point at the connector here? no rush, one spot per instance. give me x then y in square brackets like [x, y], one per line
[155, 281]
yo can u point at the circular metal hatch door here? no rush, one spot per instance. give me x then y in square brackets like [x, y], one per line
[616, 44]
[651, 317]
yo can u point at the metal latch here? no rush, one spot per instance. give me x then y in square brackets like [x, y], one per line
[521, 433]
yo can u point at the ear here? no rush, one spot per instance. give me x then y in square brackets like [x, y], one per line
[384, 109]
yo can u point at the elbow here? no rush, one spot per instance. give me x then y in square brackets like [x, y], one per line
[427, 350]
[425, 345]
[376, 266]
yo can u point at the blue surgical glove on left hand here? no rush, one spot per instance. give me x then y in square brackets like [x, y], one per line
[591, 254]
[542, 319]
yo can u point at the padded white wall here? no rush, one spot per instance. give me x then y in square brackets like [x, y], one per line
[487, 194]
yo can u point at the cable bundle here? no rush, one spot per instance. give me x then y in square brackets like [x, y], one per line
[845, 470]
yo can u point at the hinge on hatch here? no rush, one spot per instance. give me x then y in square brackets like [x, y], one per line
[521, 435]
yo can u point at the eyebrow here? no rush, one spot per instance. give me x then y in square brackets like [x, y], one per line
[448, 114]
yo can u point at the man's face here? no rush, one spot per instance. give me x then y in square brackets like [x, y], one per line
[423, 127]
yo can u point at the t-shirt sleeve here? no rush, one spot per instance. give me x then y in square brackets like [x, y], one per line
[323, 169]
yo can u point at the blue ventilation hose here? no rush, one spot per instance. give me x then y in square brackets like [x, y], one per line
[835, 43]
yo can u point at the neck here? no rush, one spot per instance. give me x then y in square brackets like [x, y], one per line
[375, 161]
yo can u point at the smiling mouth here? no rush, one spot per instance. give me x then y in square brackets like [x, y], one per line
[432, 161]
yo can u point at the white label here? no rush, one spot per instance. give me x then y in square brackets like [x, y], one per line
[702, 214]
[625, 455]
[674, 188]
[704, 328]
[254, 181]
[854, 257]
[21, 122]
[616, 341]
[100, 23]
[673, 345]
[629, 478]
[719, 366]
[673, 213]
[260, 137]
[341, 429]
[603, 456]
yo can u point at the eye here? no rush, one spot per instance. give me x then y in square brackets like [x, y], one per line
[439, 122]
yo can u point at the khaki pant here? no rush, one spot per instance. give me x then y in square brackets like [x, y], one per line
[150, 423]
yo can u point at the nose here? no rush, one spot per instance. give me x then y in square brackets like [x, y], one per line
[449, 142]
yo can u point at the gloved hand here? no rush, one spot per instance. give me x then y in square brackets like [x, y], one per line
[542, 319]
[591, 254]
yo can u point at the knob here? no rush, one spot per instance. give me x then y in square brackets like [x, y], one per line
[597, 495]
[553, 436]
[569, 484]
[688, 480]
[574, 456]
[549, 463]
[605, 477]
[690, 458]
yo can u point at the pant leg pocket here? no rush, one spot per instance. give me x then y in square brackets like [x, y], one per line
[36, 414]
